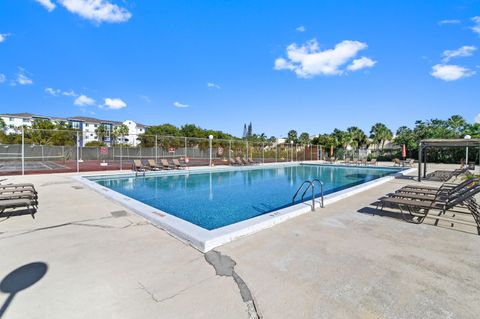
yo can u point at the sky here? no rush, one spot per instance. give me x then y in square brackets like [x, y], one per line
[311, 66]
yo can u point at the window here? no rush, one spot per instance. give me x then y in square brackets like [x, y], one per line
[11, 119]
[26, 120]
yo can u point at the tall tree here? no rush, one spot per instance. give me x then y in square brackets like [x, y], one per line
[249, 130]
[380, 134]
[304, 138]
[292, 136]
[244, 135]
[358, 137]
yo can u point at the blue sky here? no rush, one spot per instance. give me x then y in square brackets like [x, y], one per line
[307, 65]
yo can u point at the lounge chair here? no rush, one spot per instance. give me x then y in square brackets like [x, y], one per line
[245, 161]
[232, 162]
[152, 165]
[177, 164]
[442, 194]
[372, 162]
[138, 166]
[421, 208]
[165, 164]
[443, 175]
[30, 204]
[397, 162]
[251, 161]
[239, 161]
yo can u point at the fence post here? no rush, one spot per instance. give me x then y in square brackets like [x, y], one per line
[229, 149]
[156, 148]
[186, 151]
[78, 159]
[210, 138]
[263, 152]
[23, 151]
[121, 153]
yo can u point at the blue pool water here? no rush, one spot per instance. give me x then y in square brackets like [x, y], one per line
[213, 200]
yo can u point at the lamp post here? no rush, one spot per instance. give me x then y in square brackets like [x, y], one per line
[210, 138]
[291, 146]
[466, 137]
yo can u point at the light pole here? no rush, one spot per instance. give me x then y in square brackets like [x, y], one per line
[291, 146]
[466, 137]
[210, 138]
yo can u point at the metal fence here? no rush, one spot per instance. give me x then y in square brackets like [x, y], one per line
[48, 151]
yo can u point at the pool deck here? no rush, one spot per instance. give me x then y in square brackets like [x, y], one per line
[344, 261]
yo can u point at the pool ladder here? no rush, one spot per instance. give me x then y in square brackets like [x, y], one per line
[311, 185]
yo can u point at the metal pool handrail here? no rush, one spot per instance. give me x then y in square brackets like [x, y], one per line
[311, 184]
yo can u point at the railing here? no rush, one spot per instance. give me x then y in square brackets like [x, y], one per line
[311, 184]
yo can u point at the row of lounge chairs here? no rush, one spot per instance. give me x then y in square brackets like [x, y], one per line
[445, 175]
[348, 161]
[152, 165]
[240, 161]
[14, 196]
[417, 202]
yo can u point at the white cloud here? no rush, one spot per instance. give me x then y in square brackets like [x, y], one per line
[47, 4]
[308, 61]
[114, 104]
[450, 72]
[53, 92]
[361, 63]
[178, 104]
[301, 29]
[476, 27]
[466, 50]
[22, 78]
[3, 78]
[213, 85]
[97, 10]
[69, 93]
[3, 36]
[449, 21]
[84, 100]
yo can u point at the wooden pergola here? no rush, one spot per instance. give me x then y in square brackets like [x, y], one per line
[429, 143]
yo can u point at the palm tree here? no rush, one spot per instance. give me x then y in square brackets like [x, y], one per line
[357, 136]
[380, 133]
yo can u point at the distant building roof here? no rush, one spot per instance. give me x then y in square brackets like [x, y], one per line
[74, 118]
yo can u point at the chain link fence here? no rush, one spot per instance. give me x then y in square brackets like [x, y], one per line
[53, 151]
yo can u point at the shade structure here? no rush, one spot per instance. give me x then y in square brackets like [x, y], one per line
[429, 143]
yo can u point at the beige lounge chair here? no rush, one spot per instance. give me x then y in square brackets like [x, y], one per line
[153, 166]
[177, 164]
[165, 164]
[138, 166]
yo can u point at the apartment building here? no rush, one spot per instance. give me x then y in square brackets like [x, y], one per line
[86, 125]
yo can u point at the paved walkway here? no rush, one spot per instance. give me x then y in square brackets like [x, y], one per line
[343, 261]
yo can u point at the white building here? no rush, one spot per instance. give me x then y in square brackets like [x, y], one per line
[86, 125]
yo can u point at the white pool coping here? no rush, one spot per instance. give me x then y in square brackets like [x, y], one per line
[205, 240]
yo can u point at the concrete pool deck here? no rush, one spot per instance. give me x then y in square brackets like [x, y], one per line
[345, 260]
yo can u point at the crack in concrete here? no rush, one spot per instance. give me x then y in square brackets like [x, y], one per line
[152, 295]
[75, 223]
[225, 266]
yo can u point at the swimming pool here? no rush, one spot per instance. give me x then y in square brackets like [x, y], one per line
[216, 199]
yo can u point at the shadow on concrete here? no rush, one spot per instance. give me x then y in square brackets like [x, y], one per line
[20, 279]
[377, 212]
[20, 212]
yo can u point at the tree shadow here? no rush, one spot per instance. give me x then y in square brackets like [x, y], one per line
[20, 279]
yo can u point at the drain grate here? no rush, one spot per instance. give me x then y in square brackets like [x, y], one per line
[119, 213]
[77, 187]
